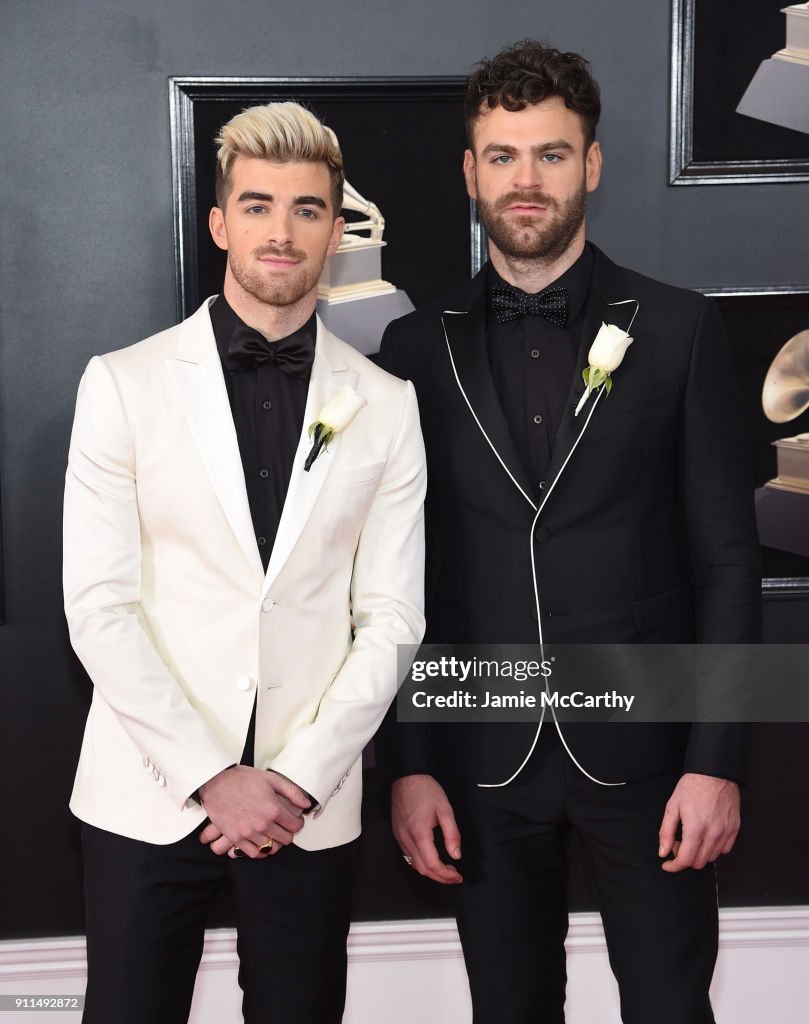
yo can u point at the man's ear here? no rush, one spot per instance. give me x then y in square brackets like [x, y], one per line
[336, 235]
[216, 223]
[592, 167]
[469, 174]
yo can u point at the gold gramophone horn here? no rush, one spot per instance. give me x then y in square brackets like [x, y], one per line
[785, 394]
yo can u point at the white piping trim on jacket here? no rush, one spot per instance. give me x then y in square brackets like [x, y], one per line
[474, 414]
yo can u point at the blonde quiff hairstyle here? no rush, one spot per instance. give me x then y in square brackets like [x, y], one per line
[282, 133]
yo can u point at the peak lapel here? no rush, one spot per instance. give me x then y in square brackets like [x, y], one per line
[329, 373]
[466, 340]
[200, 386]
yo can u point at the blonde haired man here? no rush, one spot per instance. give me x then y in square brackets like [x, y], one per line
[214, 560]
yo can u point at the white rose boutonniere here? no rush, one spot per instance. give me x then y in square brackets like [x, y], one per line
[334, 417]
[606, 355]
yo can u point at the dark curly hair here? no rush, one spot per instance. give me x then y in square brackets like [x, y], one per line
[529, 72]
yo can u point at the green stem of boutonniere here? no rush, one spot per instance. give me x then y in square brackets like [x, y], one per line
[321, 436]
[594, 378]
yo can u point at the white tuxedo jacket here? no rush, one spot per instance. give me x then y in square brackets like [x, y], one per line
[170, 610]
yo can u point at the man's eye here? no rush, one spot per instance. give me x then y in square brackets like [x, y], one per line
[307, 214]
[255, 209]
[551, 158]
[503, 158]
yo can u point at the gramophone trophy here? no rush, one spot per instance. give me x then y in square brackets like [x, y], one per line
[353, 299]
[784, 397]
[355, 270]
[782, 505]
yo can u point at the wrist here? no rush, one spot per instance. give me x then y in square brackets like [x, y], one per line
[199, 795]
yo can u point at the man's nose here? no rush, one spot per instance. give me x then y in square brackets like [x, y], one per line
[527, 175]
[279, 227]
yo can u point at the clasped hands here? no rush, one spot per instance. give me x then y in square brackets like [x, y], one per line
[248, 807]
[706, 808]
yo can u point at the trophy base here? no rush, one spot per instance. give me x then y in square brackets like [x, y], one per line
[782, 515]
[352, 292]
[777, 93]
[793, 465]
[362, 323]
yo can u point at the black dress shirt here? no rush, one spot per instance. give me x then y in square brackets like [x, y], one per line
[532, 363]
[268, 406]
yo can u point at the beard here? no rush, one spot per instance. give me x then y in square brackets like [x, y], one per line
[283, 292]
[525, 238]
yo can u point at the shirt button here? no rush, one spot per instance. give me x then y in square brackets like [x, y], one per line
[542, 485]
[244, 683]
[535, 353]
[266, 405]
[267, 604]
[261, 541]
[263, 473]
[537, 418]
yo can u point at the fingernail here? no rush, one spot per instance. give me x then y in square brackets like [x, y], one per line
[456, 853]
[660, 851]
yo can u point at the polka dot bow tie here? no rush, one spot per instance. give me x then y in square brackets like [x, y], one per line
[509, 303]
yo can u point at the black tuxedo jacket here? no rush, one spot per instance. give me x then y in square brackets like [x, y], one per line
[645, 533]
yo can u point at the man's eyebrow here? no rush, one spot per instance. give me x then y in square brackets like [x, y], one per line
[498, 147]
[541, 147]
[261, 197]
[544, 147]
[267, 197]
[310, 201]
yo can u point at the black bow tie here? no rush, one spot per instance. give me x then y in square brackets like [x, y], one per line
[509, 303]
[247, 350]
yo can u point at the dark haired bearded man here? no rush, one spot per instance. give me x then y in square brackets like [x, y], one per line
[639, 516]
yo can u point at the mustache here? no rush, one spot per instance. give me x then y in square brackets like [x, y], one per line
[285, 253]
[536, 198]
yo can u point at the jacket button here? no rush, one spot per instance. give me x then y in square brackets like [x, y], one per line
[542, 534]
[267, 604]
[244, 683]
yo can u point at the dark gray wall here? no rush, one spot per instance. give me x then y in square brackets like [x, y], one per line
[86, 266]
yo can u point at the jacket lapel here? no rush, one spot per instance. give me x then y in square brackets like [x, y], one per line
[465, 333]
[329, 373]
[606, 304]
[197, 375]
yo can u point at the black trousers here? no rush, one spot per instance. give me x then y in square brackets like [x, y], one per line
[146, 908]
[661, 929]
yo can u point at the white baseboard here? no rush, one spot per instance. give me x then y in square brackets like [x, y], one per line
[401, 971]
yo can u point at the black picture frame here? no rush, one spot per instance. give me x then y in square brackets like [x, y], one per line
[2, 573]
[759, 321]
[716, 48]
[402, 140]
